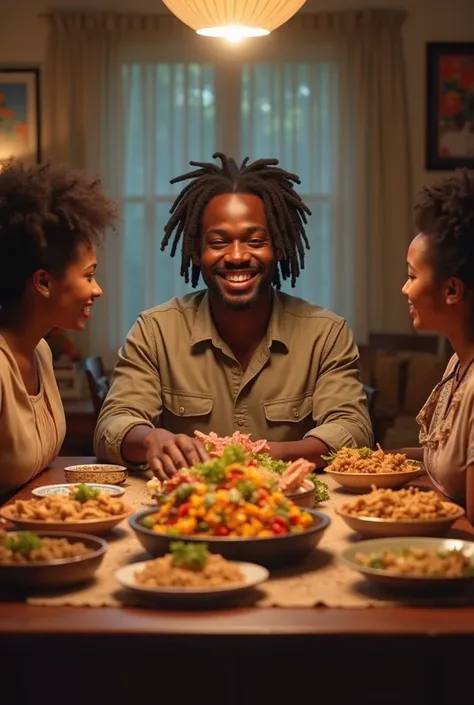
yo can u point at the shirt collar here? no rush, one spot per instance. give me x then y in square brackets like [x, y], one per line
[204, 328]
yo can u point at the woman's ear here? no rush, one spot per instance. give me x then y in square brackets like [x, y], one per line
[455, 290]
[41, 280]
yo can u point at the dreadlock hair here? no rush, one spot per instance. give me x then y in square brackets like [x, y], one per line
[444, 214]
[284, 210]
[46, 212]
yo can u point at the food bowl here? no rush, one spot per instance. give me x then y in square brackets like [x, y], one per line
[106, 474]
[272, 551]
[304, 495]
[97, 527]
[66, 488]
[361, 482]
[375, 527]
[411, 583]
[56, 573]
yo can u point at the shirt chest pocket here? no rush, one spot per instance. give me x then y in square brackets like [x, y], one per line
[292, 410]
[186, 405]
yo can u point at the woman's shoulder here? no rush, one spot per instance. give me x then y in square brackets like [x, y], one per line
[451, 366]
[44, 352]
[6, 357]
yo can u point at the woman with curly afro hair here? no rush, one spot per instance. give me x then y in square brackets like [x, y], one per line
[440, 291]
[51, 219]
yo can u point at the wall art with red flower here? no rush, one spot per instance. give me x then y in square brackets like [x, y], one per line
[450, 105]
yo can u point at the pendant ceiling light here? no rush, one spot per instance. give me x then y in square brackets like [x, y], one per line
[234, 19]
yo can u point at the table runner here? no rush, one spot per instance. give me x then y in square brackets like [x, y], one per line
[321, 579]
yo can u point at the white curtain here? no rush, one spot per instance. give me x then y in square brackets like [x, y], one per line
[325, 95]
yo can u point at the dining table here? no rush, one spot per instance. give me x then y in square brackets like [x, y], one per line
[232, 655]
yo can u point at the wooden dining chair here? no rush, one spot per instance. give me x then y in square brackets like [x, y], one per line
[97, 381]
[371, 394]
[394, 342]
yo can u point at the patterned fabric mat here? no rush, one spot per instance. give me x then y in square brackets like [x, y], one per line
[319, 580]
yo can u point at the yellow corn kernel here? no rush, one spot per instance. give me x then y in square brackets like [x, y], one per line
[201, 489]
[211, 517]
[195, 500]
[253, 475]
[256, 524]
[186, 526]
[306, 520]
[277, 497]
[222, 496]
[201, 512]
[265, 513]
[251, 509]
[264, 533]
[247, 530]
[241, 517]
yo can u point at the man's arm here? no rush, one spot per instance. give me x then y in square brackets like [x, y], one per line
[339, 405]
[133, 405]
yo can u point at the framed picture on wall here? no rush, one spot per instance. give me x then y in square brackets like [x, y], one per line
[20, 114]
[450, 105]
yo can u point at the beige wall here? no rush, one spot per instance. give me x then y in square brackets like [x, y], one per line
[22, 41]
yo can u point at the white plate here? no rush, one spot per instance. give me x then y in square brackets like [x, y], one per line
[253, 575]
[418, 583]
[64, 489]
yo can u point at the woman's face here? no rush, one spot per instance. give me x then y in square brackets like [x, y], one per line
[72, 296]
[426, 297]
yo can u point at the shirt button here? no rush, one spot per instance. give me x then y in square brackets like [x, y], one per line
[235, 370]
[240, 422]
[295, 413]
[181, 410]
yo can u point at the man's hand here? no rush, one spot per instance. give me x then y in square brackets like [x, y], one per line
[166, 452]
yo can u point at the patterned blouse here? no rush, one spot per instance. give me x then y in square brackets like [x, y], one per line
[447, 431]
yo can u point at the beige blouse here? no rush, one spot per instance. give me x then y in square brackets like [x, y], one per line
[32, 428]
[447, 432]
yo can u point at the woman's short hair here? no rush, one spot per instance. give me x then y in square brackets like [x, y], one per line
[46, 212]
[444, 213]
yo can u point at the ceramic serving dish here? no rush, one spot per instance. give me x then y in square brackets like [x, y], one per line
[57, 573]
[66, 488]
[304, 496]
[98, 473]
[269, 551]
[375, 527]
[361, 482]
[253, 576]
[409, 583]
[97, 527]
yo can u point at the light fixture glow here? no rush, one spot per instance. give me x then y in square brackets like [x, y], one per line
[233, 33]
[234, 19]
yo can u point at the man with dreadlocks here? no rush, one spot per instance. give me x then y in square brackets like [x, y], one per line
[241, 356]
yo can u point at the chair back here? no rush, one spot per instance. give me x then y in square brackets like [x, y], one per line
[97, 381]
[371, 394]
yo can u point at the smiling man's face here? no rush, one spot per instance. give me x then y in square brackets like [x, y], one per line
[237, 259]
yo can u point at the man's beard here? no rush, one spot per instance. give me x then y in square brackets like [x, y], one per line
[241, 303]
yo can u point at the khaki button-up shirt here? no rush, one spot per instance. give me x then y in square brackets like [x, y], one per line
[176, 373]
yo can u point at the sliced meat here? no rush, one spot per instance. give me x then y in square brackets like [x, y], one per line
[295, 474]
